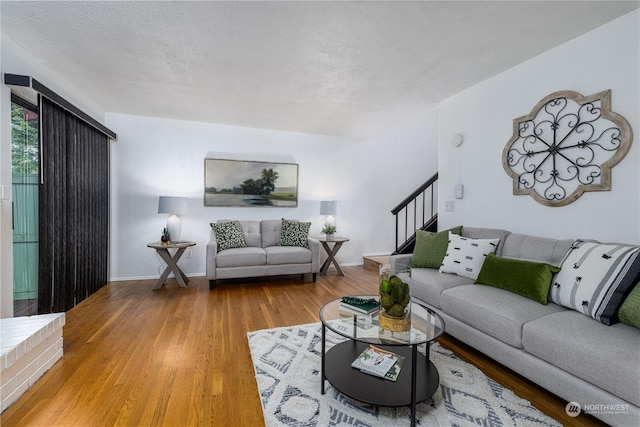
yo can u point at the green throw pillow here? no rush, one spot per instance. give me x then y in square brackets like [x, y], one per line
[294, 233]
[629, 312]
[527, 278]
[431, 247]
[229, 235]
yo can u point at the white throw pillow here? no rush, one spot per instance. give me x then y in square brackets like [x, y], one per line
[595, 278]
[465, 256]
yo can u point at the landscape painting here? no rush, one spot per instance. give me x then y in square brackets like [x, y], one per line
[250, 183]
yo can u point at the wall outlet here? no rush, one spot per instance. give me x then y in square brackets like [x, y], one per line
[188, 253]
[448, 205]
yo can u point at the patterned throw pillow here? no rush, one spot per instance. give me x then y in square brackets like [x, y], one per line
[465, 256]
[229, 235]
[294, 233]
[595, 278]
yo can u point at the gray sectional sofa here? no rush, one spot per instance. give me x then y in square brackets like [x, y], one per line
[568, 353]
[262, 256]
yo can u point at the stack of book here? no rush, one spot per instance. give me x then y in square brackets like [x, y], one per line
[381, 363]
[360, 306]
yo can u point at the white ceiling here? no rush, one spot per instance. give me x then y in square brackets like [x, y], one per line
[344, 68]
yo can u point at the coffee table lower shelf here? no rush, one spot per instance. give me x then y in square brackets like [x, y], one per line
[374, 390]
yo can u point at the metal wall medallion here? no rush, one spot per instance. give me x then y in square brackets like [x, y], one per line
[567, 145]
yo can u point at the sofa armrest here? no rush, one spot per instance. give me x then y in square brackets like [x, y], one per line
[212, 251]
[314, 246]
[400, 259]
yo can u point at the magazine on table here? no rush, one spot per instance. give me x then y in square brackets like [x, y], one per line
[381, 363]
[392, 374]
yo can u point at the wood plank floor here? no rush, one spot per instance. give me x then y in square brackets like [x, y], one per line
[178, 357]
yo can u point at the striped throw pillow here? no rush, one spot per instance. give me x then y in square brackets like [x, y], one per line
[595, 277]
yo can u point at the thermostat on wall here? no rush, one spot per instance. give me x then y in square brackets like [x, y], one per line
[458, 191]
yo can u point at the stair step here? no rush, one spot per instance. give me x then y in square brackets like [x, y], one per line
[372, 263]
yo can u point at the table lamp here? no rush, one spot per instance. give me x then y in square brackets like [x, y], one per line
[173, 206]
[330, 208]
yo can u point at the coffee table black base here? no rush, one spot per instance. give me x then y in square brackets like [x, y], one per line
[374, 390]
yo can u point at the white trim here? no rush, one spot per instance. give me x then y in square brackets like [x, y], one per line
[156, 277]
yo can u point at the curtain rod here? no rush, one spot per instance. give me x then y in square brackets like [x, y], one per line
[30, 82]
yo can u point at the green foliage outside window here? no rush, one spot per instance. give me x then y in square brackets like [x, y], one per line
[24, 141]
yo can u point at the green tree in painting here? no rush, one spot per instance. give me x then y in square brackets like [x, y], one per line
[251, 186]
[269, 178]
[263, 186]
[24, 141]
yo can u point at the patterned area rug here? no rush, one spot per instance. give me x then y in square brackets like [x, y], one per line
[287, 366]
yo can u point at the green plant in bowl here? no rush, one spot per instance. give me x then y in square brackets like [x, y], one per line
[328, 229]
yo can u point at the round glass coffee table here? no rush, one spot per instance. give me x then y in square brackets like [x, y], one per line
[418, 379]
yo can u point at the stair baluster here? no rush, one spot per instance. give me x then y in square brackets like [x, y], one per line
[406, 243]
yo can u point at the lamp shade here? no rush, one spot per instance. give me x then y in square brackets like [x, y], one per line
[329, 207]
[173, 205]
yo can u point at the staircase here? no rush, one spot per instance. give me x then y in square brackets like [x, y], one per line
[373, 263]
[417, 211]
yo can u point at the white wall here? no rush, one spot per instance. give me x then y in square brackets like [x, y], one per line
[394, 165]
[606, 58]
[6, 234]
[15, 60]
[156, 157]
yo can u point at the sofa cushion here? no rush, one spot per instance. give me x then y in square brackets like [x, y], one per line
[241, 257]
[287, 255]
[589, 350]
[252, 235]
[294, 233]
[430, 248]
[534, 248]
[595, 278]
[494, 311]
[229, 235]
[270, 231]
[465, 256]
[486, 233]
[527, 278]
[629, 312]
[427, 284]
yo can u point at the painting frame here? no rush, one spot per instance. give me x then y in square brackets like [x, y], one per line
[250, 183]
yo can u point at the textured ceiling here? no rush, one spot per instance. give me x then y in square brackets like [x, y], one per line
[338, 68]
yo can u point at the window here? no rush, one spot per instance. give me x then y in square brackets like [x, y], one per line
[25, 164]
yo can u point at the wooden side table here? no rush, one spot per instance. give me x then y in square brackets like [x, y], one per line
[172, 262]
[337, 241]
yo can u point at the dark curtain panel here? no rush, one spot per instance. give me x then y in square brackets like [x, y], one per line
[73, 211]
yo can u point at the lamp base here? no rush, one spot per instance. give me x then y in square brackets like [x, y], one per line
[174, 228]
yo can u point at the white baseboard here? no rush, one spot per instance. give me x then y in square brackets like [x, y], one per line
[350, 264]
[155, 277]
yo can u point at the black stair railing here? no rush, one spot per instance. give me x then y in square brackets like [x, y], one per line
[417, 211]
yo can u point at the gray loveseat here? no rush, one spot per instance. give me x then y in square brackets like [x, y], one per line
[262, 256]
[568, 353]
